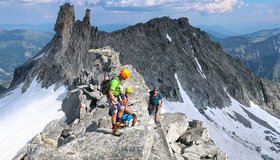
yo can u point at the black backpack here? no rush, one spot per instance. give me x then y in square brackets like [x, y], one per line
[104, 86]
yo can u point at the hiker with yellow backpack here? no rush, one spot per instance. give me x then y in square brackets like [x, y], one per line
[116, 108]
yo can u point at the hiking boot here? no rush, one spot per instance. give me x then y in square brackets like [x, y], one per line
[120, 124]
[158, 124]
[116, 132]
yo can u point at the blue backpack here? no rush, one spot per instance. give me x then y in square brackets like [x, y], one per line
[126, 117]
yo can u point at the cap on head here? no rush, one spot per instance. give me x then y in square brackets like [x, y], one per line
[155, 89]
[125, 73]
[128, 90]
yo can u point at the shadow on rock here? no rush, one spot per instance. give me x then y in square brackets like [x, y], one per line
[92, 127]
[103, 131]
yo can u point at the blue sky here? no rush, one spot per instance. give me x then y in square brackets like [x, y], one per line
[236, 15]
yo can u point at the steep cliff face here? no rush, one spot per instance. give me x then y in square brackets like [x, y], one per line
[158, 49]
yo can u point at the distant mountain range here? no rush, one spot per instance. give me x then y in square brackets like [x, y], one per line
[260, 51]
[17, 46]
[218, 31]
[43, 27]
[48, 27]
[112, 27]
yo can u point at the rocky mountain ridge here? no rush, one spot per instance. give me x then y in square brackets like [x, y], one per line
[88, 135]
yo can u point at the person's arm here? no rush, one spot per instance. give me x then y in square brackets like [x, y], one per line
[160, 103]
[112, 97]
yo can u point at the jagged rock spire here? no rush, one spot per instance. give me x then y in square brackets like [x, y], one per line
[65, 19]
[86, 19]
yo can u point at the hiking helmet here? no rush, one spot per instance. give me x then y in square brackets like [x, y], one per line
[129, 90]
[125, 73]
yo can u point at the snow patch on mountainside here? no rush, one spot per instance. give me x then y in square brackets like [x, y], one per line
[168, 37]
[22, 116]
[39, 56]
[199, 68]
[242, 132]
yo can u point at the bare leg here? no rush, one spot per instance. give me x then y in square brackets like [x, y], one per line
[134, 120]
[156, 118]
[120, 113]
[150, 113]
[114, 116]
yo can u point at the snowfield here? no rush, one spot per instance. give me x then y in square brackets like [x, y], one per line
[236, 129]
[22, 116]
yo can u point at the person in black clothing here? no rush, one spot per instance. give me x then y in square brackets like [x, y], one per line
[154, 104]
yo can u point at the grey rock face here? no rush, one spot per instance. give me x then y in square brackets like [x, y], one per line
[198, 145]
[71, 106]
[266, 157]
[195, 124]
[174, 125]
[244, 121]
[271, 97]
[196, 135]
[65, 20]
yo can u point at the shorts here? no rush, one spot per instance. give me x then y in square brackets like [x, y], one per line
[153, 110]
[113, 109]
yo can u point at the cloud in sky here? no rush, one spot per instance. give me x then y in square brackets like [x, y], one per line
[228, 13]
[217, 6]
[209, 6]
[76, 2]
